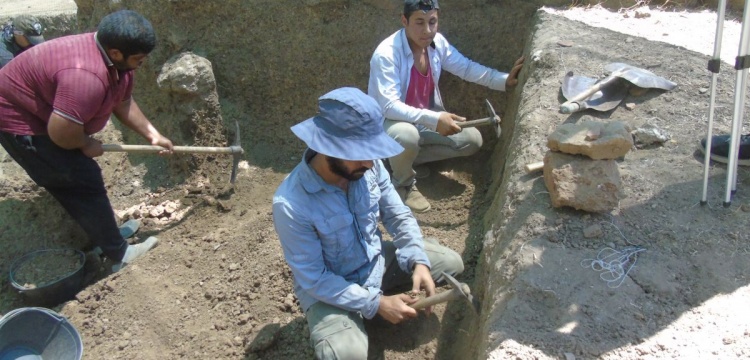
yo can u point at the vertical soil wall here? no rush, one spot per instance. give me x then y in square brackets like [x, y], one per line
[272, 59]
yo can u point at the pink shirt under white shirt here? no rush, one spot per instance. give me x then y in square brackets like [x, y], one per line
[420, 90]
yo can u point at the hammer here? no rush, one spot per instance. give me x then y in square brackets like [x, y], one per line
[492, 119]
[235, 150]
[459, 291]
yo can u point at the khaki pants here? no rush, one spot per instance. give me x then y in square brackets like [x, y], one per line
[337, 334]
[424, 146]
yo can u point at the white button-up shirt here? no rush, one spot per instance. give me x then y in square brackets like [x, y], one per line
[390, 68]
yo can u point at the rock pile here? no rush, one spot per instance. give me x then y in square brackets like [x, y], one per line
[155, 212]
[580, 169]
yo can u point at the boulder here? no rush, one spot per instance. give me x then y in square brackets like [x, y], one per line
[187, 73]
[594, 139]
[582, 183]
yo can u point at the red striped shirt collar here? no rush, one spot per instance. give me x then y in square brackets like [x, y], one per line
[110, 66]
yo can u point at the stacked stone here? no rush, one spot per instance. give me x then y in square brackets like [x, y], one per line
[580, 168]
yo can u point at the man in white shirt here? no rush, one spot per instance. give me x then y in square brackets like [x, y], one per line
[404, 74]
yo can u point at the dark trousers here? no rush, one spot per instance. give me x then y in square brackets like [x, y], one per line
[75, 180]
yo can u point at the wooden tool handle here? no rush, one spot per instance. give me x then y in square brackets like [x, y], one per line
[177, 149]
[533, 167]
[442, 297]
[473, 123]
[572, 105]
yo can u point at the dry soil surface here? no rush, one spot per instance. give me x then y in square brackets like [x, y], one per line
[681, 299]
[217, 285]
[8, 8]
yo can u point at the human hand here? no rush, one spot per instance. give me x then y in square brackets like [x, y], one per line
[422, 279]
[447, 123]
[160, 140]
[395, 308]
[512, 79]
[92, 148]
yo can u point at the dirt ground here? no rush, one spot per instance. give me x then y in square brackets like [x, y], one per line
[681, 298]
[217, 286]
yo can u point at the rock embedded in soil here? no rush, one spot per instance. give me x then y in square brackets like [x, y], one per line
[593, 231]
[648, 135]
[188, 74]
[266, 337]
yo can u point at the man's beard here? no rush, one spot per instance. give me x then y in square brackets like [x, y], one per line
[337, 167]
[121, 66]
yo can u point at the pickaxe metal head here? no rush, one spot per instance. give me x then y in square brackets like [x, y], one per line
[491, 119]
[463, 289]
[495, 119]
[459, 291]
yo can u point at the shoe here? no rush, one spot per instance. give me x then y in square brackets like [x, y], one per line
[413, 198]
[129, 228]
[135, 251]
[97, 251]
[422, 171]
[720, 149]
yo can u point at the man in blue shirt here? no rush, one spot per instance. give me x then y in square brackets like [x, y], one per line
[326, 213]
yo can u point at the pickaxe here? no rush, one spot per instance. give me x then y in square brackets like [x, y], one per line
[492, 119]
[235, 150]
[459, 291]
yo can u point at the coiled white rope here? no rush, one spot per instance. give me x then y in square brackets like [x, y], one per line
[614, 265]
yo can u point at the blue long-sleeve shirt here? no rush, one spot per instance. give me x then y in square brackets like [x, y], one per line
[331, 238]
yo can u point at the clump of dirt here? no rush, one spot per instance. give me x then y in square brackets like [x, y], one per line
[46, 267]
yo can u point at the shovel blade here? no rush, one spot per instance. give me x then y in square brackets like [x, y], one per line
[640, 77]
[603, 100]
[575, 84]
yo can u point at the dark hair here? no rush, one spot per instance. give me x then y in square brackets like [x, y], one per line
[127, 31]
[410, 6]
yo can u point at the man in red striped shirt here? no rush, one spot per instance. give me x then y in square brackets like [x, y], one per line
[57, 94]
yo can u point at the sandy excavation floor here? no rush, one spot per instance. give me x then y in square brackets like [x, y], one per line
[217, 287]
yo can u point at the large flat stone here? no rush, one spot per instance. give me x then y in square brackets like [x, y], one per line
[594, 139]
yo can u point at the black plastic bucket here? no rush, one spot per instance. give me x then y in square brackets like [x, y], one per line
[62, 289]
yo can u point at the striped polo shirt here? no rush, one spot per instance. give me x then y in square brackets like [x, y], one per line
[71, 76]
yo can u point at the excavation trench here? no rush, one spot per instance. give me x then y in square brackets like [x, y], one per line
[218, 283]
[268, 74]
